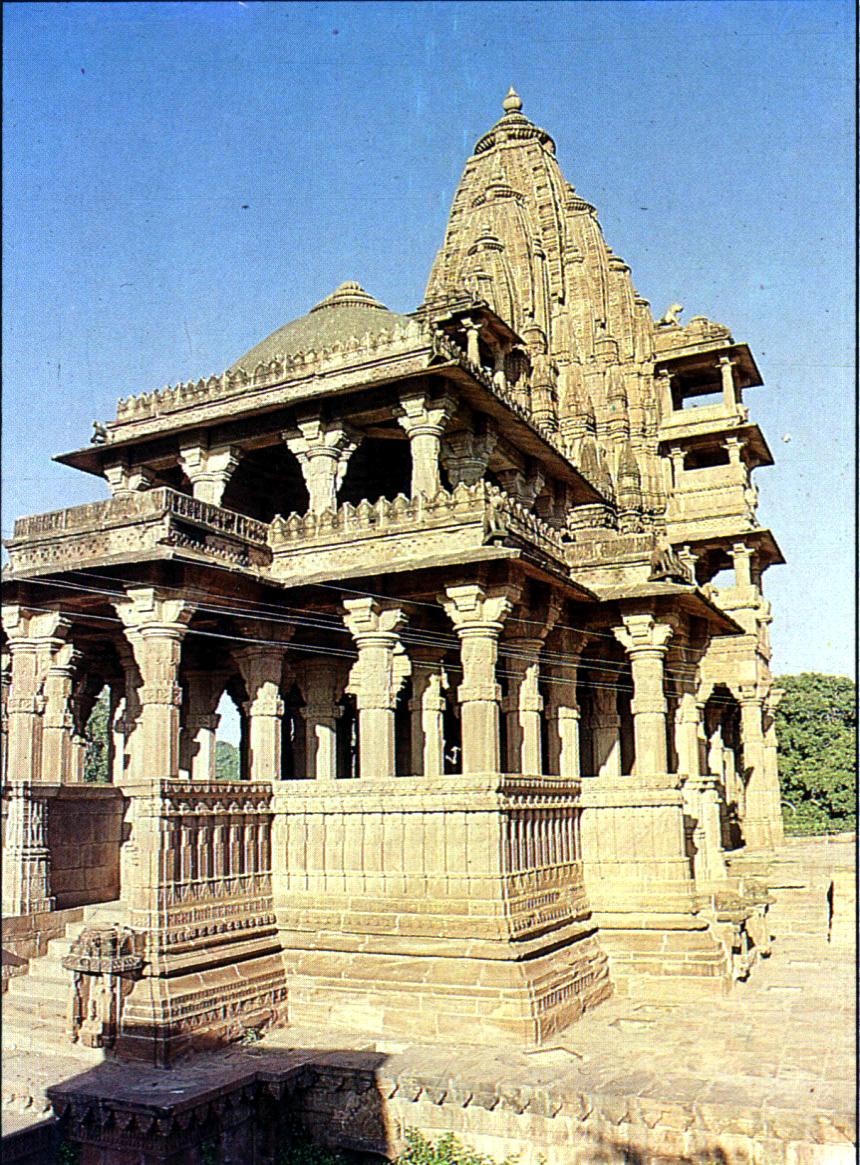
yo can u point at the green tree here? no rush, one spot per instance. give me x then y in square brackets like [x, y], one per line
[96, 735]
[226, 761]
[816, 727]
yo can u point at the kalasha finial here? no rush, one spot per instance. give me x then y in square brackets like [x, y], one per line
[512, 102]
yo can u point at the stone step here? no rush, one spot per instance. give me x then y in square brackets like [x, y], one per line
[47, 1010]
[34, 987]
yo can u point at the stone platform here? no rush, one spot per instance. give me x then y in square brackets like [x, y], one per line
[764, 1076]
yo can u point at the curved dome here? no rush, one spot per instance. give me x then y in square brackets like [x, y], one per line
[349, 311]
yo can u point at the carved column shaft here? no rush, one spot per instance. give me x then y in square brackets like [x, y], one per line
[478, 616]
[758, 825]
[427, 708]
[321, 686]
[524, 705]
[563, 712]
[26, 860]
[645, 642]
[424, 420]
[606, 732]
[155, 628]
[262, 670]
[323, 451]
[375, 681]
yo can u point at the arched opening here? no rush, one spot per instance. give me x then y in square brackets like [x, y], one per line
[267, 482]
[379, 468]
[228, 739]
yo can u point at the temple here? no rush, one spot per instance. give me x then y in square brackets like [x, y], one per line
[485, 584]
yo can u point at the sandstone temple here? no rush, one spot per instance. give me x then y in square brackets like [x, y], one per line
[484, 582]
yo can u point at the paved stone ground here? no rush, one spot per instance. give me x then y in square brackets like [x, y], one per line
[783, 1044]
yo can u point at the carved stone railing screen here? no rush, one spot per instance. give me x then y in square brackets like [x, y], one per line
[217, 859]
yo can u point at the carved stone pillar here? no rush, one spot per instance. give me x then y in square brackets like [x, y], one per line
[59, 759]
[262, 670]
[26, 860]
[742, 556]
[702, 803]
[466, 455]
[646, 642]
[197, 753]
[323, 450]
[758, 826]
[375, 680]
[34, 642]
[688, 735]
[727, 377]
[423, 420]
[426, 708]
[155, 627]
[606, 731]
[562, 708]
[321, 686]
[523, 705]
[208, 469]
[127, 721]
[473, 335]
[478, 616]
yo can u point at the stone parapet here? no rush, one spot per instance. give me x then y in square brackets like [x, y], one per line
[154, 523]
[370, 536]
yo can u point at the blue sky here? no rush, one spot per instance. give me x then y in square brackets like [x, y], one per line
[181, 179]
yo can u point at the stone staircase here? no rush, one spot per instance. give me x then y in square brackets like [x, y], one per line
[35, 1005]
[813, 918]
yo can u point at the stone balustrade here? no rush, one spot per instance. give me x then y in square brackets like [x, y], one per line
[156, 522]
[468, 517]
[217, 853]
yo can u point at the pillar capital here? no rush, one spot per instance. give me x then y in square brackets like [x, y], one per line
[372, 620]
[149, 610]
[420, 412]
[750, 694]
[465, 454]
[641, 634]
[475, 610]
[208, 468]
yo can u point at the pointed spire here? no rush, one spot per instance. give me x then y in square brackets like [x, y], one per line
[512, 102]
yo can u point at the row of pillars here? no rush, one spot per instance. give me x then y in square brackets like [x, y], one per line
[147, 740]
[322, 447]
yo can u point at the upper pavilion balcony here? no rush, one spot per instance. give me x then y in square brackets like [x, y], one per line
[471, 522]
[466, 524]
[135, 527]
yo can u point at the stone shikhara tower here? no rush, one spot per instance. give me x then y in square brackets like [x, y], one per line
[500, 734]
